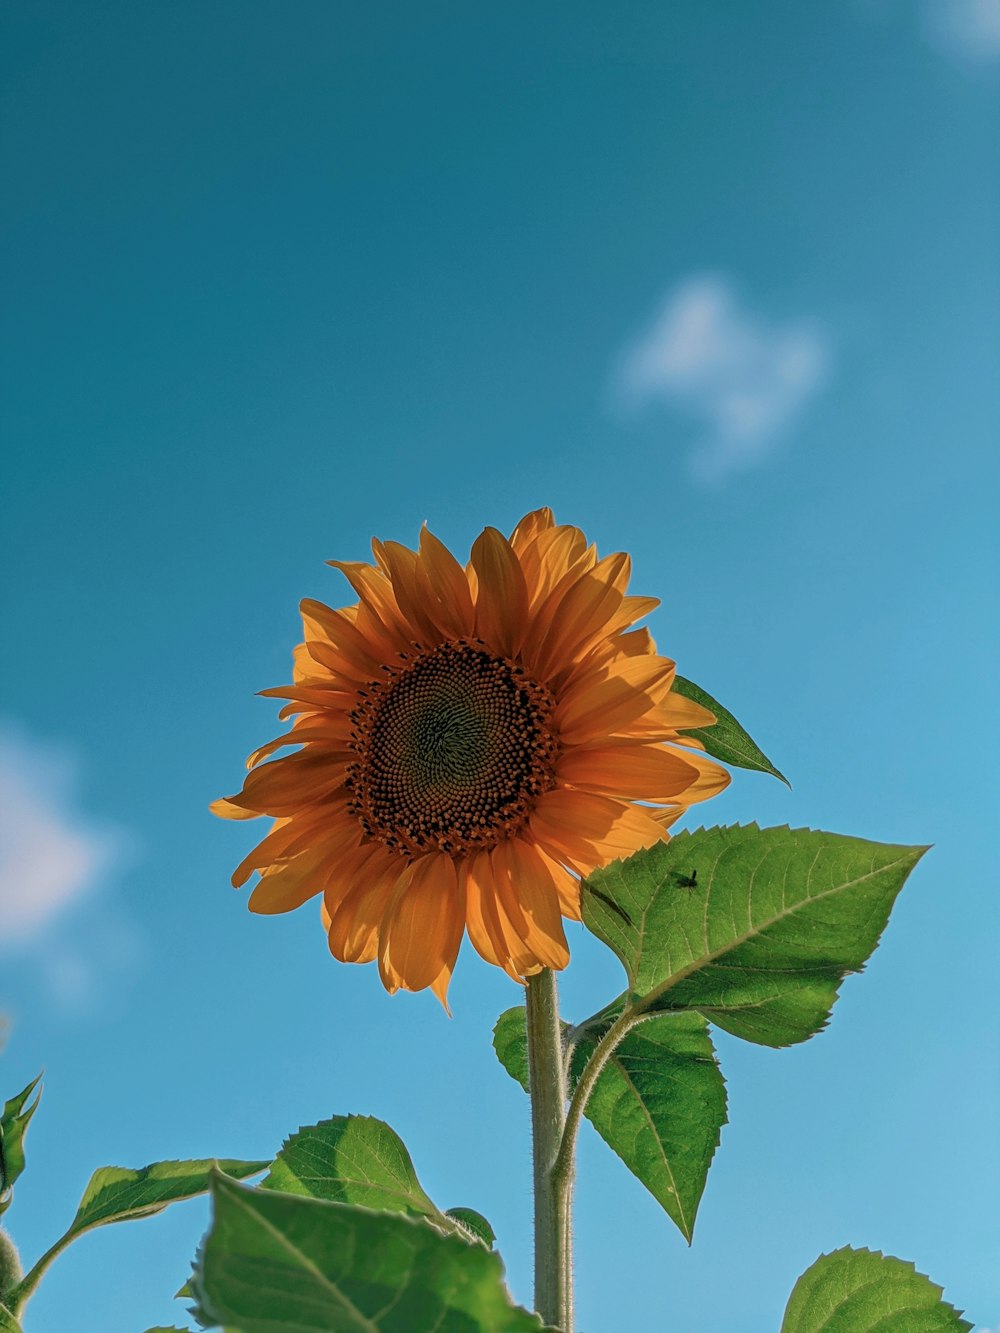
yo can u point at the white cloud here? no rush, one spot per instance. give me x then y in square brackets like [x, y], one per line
[967, 29]
[51, 855]
[743, 378]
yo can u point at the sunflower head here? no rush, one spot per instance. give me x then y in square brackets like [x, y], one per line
[470, 743]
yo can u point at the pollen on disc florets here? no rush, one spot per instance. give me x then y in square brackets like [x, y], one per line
[453, 750]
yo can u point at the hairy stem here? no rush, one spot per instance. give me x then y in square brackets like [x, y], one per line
[562, 1169]
[553, 1188]
[17, 1298]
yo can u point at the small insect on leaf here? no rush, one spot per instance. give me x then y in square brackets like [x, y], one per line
[685, 881]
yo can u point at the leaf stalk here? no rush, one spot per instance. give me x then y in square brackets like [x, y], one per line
[564, 1164]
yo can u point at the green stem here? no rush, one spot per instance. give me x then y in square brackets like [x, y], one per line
[17, 1298]
[562, 1168]
[553, 1190]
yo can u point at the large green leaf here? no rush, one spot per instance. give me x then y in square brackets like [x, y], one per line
[117, 1193]
[726, 740]
[14, 1121]
[358, 1159]
[274, 1261]
[762, 938]
[8, 1324]
[350, 1159]
[861, 1291]
[659, 1102]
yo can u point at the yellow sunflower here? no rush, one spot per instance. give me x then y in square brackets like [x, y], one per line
[473, 742]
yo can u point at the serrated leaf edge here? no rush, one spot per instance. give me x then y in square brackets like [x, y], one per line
[880, 1254]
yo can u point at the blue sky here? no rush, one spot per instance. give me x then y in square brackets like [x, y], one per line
[720, 284]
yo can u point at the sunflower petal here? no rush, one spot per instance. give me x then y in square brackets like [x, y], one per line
[635, 773]
[502, 599]
[530, 526]
[584, 613]
[287, 884]
[591, 830]
[355, 916]
[448, 586]
[608, 699]
[423, 927]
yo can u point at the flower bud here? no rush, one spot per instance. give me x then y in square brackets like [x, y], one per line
[10, 1264]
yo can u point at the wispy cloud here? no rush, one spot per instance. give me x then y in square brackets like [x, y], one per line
[969, 30]
[743, 378]
[60, 933]
[51, 854]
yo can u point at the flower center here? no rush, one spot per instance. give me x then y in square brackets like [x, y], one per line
[454, 749]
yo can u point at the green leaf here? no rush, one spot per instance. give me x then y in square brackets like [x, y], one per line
[659, 1102]
[726, 740]
[117, 1193]
[358, 1159]
[350, 1159]
[14, 1121]
[475, 1223]
[862, 1291]
[279, 1261]
[8, 1324]
[760, 944]
[510, 1041]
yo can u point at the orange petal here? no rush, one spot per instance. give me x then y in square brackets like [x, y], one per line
[530, 526]
[631, 610]
[334, 639]
[552, 566]
[583, 614]
[357, 915]
[611, 697]
[502, 599]
[314, 694]
[447, 585]
[225, 809]
[501, 917]
[711, 777]
[635, 642]
[287, 837]
[401, 565]
[423, 926]
[287, 884]
[679, 712]
[532, 882]
[311, 730]
[375, 591]
[284, 786]
[567, 886]
[632, 772]
[488, 935]
[590, 830]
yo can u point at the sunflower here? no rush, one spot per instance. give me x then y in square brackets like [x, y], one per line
[472, 742]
